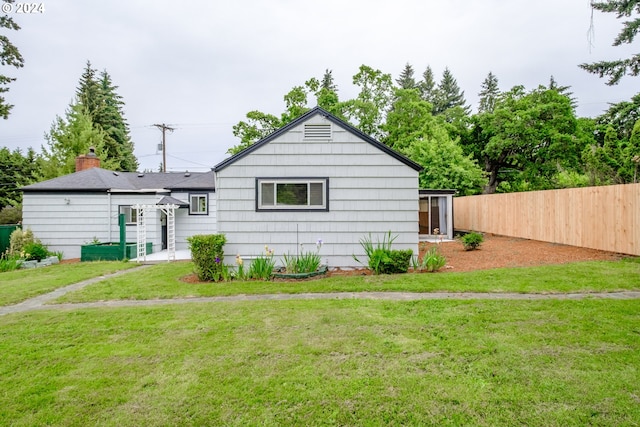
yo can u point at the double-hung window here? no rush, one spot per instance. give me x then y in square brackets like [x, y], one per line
[306, 194]
[130, 215]
[198, 204]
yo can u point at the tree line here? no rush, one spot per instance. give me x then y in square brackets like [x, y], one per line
[95, 118]
[518, 140]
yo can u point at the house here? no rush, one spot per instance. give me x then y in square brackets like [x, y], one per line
[317, 179]
[72, 210]
[316, 184]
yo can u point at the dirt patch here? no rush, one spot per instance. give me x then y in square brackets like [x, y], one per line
[495, 252]
[501, 251]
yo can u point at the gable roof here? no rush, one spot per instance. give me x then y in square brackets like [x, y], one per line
[317, 110]
[103, 180]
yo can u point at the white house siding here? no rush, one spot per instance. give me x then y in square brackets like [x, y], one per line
[189, 225]
[152, 222]
[65, 221]
[86, 217]
[369, 192]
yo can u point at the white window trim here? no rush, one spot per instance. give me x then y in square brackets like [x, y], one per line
[199, 195]
[129, 217]
[286, 208]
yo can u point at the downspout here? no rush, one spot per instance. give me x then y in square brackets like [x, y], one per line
[109, 215]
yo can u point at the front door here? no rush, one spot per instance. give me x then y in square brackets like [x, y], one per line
[163, 224]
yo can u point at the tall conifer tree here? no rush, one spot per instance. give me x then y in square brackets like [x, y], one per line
[406, 79]
[488, 94]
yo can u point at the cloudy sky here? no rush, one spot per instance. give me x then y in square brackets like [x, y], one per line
[201, 65]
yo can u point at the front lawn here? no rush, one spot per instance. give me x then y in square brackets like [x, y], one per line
[328, 362]
[163, 281]
[19, 285]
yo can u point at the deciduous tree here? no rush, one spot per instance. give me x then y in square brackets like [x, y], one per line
[525, 138]
[412, 130]
[68, 138]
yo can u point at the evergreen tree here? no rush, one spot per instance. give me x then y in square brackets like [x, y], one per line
[622, 116]
[16, 170]
[488, 94]
[616, 69]
[406, 79]
[428, 86]
[563, 90]
[88, 92]
[327, 81]
[449, 95]
[9, 55]
[98, 95]
[110, 118]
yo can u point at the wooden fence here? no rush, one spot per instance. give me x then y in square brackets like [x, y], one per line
[605, 218]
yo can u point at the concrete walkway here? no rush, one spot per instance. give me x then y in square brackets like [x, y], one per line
[40, 302]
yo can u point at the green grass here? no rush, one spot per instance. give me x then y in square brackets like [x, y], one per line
[19, 285]
[163, 281]
[335, 362]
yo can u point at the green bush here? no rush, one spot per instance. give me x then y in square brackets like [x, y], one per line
[472, 240]
[397, 261]
[10, 215]
[35, 251]
[19, 239]
[207, 255]
[382, 259]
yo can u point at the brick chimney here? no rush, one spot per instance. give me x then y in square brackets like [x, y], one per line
[87, 161]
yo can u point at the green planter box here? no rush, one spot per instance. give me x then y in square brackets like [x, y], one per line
[110, 251]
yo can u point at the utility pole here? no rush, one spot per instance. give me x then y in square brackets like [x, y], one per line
[164, 128]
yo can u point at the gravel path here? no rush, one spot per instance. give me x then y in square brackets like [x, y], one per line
[40, 302]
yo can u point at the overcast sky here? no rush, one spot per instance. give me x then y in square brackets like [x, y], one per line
[201, 65]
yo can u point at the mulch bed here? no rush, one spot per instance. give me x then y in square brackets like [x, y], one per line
[494, 252]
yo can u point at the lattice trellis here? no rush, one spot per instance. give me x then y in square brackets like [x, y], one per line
[143, 212]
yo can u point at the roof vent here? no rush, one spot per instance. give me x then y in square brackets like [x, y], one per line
[317, 132]
[187, 174]
[116, 173]
[140, 175]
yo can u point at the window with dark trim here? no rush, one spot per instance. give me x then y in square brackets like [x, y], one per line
[292, 194]
[198, 204]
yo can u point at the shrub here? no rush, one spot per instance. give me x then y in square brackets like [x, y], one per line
[10, 215]
[382, 259]
[432, 260]
[472, 240]
[207, 255]
[35, 251]
[18, 239]
[397, 262]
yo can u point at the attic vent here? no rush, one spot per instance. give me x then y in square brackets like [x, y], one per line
[116, 173]
[140, 175]
[317, 131]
